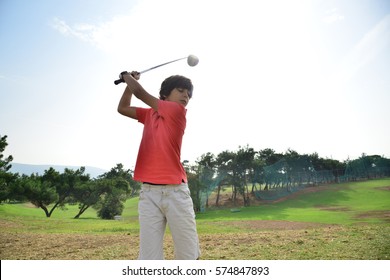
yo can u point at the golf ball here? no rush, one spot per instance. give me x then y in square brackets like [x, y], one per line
[192, 60]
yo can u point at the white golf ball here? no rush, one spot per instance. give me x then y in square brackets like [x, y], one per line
[192, 60]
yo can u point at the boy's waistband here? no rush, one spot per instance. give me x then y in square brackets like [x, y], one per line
[153, 184]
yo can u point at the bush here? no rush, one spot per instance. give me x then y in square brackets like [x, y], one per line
[110, 207]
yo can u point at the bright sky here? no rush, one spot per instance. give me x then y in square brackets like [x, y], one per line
[312, 76]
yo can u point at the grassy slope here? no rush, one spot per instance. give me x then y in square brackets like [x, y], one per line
[339, 204]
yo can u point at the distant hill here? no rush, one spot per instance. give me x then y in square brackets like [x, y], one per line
[29, 169]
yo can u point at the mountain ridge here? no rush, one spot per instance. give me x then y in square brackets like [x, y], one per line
[28, 169]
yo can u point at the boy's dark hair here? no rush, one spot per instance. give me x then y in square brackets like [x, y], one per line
[173, 82]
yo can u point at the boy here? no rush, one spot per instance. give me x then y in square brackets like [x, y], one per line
[165, 196]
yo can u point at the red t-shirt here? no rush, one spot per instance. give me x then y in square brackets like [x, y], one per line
[158, 158]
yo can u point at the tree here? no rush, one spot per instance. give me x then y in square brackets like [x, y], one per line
[110, 207]
[7, 184]
[39, 192]
[258, 172]
[5, 163]
[119, 172]
[269, 156]
[243, 165]
[223, 164]
[205, 167]
[64, 184]
[238, 170]
[89, 194]
[112, 202]
[202, 179]
[114, 187]
[6, 177]
[319, 164]
[52, 188]
[195, 187]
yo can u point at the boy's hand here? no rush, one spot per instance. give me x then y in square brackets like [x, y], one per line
[136, 75]
[131, 80]
[133, 87]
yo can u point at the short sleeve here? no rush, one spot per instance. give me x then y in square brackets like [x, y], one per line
[141, 114]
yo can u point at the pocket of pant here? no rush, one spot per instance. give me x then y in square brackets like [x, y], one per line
[183, 192]
[143, 192]
[184, 202]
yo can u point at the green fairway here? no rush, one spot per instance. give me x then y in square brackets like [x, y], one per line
[25, 217]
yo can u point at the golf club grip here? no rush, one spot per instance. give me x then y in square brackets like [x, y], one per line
[117, 82]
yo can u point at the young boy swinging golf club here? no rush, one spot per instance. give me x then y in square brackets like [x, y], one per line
[165, 196]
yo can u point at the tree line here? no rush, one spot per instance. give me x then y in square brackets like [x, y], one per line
[53, 190]
[243, 170]
[248, 172]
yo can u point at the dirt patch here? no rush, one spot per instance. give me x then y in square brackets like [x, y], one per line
[262, 240]
[271, 225]
[333, 208]
[54, 246]
[384, 188]
[225, 200]
[48, 246]
[34, 246]
[382, 215]
[8, 224]
[301, 192]
[328, 242]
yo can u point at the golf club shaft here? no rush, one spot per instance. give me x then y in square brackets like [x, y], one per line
[162, 65]
[121, 80]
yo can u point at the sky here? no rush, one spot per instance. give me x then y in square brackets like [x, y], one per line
[311, 76]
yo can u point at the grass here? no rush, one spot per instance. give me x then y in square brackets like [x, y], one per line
[338, 204]
[342, 221]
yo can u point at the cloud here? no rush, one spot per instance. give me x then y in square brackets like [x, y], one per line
[109, 36]
[81, 31]
[332, 16]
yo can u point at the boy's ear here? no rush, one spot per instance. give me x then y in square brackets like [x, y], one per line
[165, 96]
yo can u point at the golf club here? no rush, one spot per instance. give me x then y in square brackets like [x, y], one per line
[192, 60]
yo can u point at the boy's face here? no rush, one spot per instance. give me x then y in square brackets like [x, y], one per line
[179, 95]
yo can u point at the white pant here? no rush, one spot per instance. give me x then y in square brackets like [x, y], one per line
[172, 204]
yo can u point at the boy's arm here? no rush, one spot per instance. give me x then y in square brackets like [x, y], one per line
[134, 87]
[124, 107]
